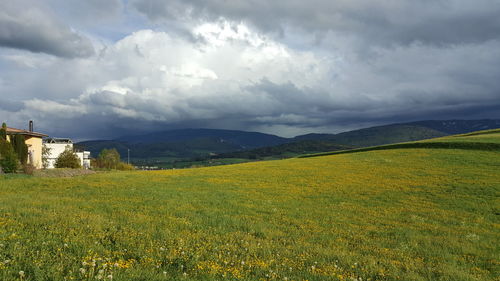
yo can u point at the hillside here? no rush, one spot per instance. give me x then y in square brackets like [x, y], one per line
[184, 144]
[403, 132]
[240, 139]
[488, 140]
[166, 147]
[393, 214]
[284, 150]
[379, 135]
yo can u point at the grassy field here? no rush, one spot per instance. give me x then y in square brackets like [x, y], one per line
[392, 214]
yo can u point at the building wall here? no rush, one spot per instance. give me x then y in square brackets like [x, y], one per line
[84, 159]
[35, 150]
[55, 150]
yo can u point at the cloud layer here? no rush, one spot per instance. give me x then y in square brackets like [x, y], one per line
[26, 27]
[284, 69]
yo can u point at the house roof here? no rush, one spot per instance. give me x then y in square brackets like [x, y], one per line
[14, 131]
[58, 140]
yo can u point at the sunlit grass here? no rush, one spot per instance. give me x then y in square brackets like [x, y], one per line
[403, 214]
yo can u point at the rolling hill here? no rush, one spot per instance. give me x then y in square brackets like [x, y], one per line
[182, 145]
[390, 214]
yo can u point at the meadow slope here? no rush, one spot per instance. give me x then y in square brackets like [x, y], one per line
[397, 214]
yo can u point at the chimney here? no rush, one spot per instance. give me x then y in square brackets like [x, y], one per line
[31, 126]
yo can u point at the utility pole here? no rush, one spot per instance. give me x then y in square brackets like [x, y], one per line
[128, 155]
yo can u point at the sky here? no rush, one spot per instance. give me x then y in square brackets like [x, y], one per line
[100, 69]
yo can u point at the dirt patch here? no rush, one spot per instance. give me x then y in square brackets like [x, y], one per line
[62, 173]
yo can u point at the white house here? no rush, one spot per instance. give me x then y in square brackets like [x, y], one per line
[57, 146]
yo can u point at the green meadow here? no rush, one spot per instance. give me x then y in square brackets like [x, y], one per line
[393, 213]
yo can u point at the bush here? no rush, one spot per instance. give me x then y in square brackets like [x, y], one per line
[68, 159]
[29, 169]
[124, 167]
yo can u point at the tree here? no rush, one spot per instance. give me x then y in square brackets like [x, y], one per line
[108, 159]
[45, 156]
[68, 159]
[20, 147]
[3, 132]
[8, 157]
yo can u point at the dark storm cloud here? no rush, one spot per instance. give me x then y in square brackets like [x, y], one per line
[24, 26]
[381, 22]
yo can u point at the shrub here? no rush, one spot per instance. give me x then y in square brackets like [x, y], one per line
[68, 159]
[29, 169]
[124, 167]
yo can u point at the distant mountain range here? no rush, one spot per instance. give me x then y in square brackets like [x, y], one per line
[195, 143]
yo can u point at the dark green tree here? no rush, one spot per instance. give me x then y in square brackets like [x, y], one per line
[68, 159]
[8, 157]
[20, 147]
[3, 132]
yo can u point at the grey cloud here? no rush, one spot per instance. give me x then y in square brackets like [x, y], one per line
[377, 22]
[11, 105]
[25, 26]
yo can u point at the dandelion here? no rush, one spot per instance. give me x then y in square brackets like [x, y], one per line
[165, 273]
[21, 274]
[82, 270]
[184, 274]
[65, 245]
[242, 262]
[84, 263]
[110, 277]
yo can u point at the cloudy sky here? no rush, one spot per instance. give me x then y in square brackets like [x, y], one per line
[105, 68]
